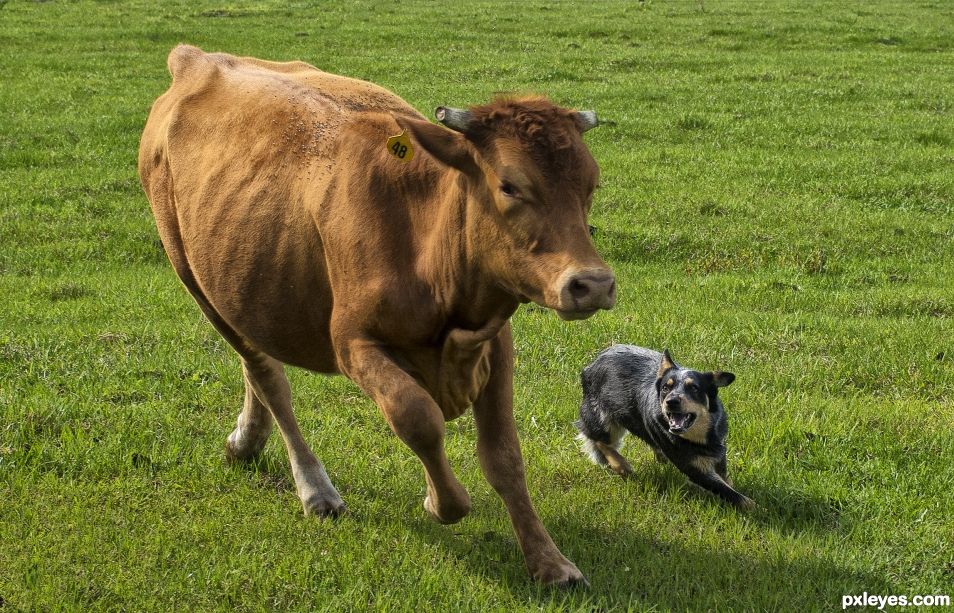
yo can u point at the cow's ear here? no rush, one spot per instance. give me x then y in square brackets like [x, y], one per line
[445, 145]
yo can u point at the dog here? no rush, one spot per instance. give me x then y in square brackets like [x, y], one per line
[675, 410]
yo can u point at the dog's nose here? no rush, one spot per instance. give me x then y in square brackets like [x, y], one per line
[672, 402]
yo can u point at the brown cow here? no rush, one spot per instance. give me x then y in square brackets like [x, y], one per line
[307, 240]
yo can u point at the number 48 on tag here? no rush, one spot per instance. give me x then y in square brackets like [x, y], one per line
[400, 147]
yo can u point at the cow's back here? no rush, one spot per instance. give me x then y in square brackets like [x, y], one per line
[230, 157]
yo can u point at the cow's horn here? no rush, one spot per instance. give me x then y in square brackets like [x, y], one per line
[587, 120]
[455, 119]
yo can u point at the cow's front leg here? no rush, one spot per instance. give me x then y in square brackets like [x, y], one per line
[415, 418]
[498, 449]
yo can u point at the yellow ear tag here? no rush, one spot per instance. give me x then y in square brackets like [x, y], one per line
[400, 147]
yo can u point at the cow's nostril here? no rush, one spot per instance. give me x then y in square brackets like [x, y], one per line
[587, 290]
[578, 289]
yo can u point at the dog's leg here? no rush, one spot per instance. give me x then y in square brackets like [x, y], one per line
[616, 462]
[703, 472]
[720, 468]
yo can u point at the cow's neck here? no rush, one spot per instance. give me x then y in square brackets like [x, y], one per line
[472, 305]
[469, 297]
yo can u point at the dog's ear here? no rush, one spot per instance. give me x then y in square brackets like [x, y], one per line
[665, 365]
[722, 379]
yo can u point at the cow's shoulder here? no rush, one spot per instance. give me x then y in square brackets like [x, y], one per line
[295, 82]
[187, 62]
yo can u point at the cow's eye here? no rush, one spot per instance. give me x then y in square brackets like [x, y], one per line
[508, 190]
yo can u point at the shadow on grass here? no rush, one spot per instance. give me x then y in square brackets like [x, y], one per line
[780, 507]
[637, 567]
[269, 471]
[627, 569]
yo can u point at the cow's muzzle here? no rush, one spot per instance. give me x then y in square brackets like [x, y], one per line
[584, 292]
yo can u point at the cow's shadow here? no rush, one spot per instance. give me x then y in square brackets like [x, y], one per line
[635, 567]
[629, 567]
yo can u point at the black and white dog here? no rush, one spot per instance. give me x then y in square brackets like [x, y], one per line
[677, 411]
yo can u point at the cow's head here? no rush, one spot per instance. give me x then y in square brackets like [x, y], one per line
[531, 181]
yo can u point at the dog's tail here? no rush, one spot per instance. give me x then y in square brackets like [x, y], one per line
[589, 425]
[597, 429]
[588, 419]
[588, 446]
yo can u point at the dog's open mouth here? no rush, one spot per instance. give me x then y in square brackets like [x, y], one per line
[680, 422]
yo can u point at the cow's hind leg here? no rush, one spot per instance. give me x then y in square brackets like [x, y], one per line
[267, 379]
[254, 425]
[265, 382]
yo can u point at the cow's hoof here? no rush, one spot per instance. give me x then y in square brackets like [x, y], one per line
[235, 454]
[572, 584]
[239, 448]
[324, 506]
[448, 513]
[562, 574]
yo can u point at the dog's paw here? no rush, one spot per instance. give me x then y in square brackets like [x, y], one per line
[625, 472]
[746, 505]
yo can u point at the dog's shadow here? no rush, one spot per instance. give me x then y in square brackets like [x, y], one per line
[779, 506]
[632, 567]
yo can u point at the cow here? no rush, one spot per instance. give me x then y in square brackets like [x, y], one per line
[309, 237]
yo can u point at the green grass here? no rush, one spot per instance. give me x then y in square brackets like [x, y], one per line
[777, 200]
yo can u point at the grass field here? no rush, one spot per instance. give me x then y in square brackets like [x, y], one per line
[777, 200]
